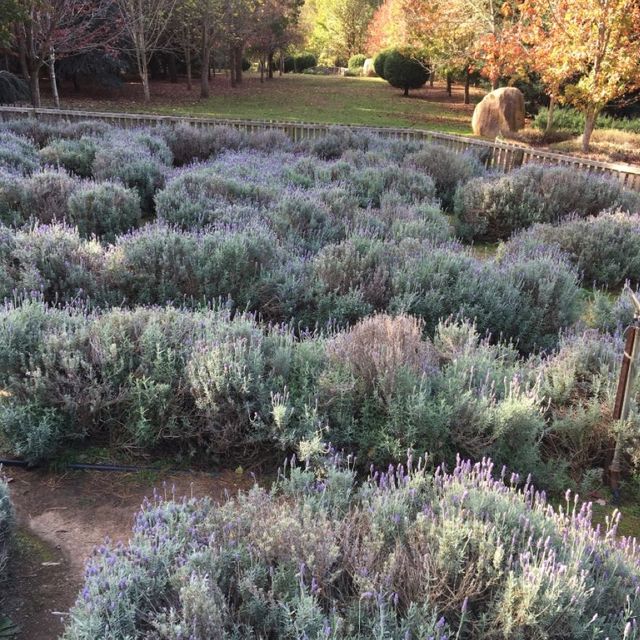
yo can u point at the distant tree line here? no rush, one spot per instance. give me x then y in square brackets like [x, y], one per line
[102, 39]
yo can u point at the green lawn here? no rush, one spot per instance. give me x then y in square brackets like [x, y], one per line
[297, 97]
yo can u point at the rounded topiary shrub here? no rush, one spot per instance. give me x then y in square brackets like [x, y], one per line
[465, 554]
[104, 209]
[379, 62]
[404, 71]
[356, 62]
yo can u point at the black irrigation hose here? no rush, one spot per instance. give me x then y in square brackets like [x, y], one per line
[80, 466]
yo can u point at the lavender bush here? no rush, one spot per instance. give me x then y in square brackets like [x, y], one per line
[45, 196]
[40, 133]
[134, 162]
[447, 168]
[10, 198]
[200, 197]
[491, 209]
[76, 156]
[406, 554]
[189, 144]
[604, 248]
[217, 384]
[104, 209]
[17, 154]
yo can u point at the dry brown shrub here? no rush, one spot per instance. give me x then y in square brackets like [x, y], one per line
[380, 347]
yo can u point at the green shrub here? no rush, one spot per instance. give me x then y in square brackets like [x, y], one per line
[567, 119]
[76, 156]
[379, 62]
[356, 62]
[13, 89]
[403, 71]
[405, 554]
[491, 209]
[299, 63]
[103, 209]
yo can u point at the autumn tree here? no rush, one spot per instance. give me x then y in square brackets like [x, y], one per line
[146, 22]
[51, 29]
[590, 50]
[338, 28]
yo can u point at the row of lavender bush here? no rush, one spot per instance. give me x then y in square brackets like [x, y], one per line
[404, 555]
[528, 297]
[487, 207]
[208, 383]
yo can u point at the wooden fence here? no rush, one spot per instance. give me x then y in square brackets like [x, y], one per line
[498, 155]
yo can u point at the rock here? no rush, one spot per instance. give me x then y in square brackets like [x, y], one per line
[499, 112]
[368, 70]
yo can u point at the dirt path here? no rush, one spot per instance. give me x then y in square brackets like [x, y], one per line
[61, 517]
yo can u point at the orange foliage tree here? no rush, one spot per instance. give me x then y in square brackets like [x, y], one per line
[586, 51]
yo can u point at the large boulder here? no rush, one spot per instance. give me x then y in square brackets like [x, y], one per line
[499, 113]
[368, 70]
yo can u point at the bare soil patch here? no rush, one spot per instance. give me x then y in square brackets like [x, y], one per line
[62, 517]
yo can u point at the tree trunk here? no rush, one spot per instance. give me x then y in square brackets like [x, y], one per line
[54, 80]
[281, 71]
[173, 72]
[495, 84]
[206, 63]
[449, 83]
[589, 124]
[270, 66]
[261, 65]
[552, 105]
[187, 61]
[467, 81]
[34, 81]
[432, 77]
[232, 66]
[406, 91]
[238, 60]
[144, 76]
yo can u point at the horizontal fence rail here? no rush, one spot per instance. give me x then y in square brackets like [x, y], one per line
[498, 155]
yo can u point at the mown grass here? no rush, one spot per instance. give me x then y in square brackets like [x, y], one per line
[299, 98]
